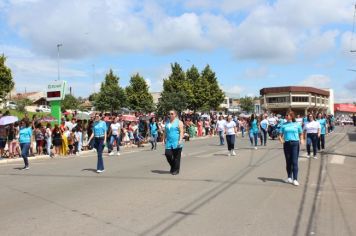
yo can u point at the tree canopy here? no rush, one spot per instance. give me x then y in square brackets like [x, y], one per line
[198, 91]
[247, 104]
[111, 96]
[70, 102]
[138, 95]
[6, 81]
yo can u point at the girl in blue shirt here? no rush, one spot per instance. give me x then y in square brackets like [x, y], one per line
[25, 142]
[253, 130]
[290, 137]
[153, 133]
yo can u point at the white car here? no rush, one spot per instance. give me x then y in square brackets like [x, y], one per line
[10, 105]
[43, 108]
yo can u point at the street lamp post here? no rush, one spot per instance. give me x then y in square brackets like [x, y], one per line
[58, 45]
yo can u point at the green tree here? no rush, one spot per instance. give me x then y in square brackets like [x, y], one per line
[215, 94]
[176, 86]
[247, 104]
[199, 87]
[70, 103]
[111, 96]
[138, 96]
[6, 81]
[92, 97]
[172, 101]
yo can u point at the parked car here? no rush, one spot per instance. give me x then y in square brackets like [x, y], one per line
[10, 105]
[43, 108]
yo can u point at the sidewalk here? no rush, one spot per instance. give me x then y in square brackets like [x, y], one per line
[20, 160]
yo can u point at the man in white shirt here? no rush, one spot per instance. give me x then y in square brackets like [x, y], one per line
[115, 129]
[220, 128]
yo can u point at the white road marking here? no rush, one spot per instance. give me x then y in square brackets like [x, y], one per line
[337, 159]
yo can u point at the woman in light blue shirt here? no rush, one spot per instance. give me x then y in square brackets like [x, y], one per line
[323, 123]
[25, 135]
[173, 140]
[99, 135]
[290, 136]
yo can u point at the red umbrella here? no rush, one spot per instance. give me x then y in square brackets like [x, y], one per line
[129, 118]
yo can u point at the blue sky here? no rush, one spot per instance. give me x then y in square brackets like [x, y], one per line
[250, 44]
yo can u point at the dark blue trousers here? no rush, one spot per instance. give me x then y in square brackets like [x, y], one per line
[291, 153]
[99, 146]
[25, 147]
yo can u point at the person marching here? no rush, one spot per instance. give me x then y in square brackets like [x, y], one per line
[25, 142]
[220, 128]
[264, 129]
[291, 135]
[253, 130]
[115, 131]
[153, 129]
[230, 131]
[323, 123]
[312, 134]
[99, 135]
[173, 140]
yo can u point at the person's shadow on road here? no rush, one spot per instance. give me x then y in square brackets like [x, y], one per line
[264, 179]
[89, 169]
[161, 172]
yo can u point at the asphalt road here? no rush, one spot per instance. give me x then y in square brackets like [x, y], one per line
[213, 195]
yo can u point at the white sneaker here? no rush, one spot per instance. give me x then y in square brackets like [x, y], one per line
[255, 148]
[289, 181]
[233, 153]
[94, 150]
[315, 157]
[229, 154]
[111, 153]
[100, 171]
[118, 154]
[308, 156]
[295, 183]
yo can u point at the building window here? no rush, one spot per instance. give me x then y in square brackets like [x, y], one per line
[277, 99]
[313, 99]
[318, 100]
[300, 99]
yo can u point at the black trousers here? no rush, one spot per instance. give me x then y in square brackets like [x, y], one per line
[321, 142]
[173, 157]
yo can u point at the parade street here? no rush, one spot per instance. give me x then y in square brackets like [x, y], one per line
[214, 194]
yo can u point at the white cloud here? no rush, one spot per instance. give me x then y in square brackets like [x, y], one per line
[234, 91]
[317, 81]
[226, 6]
[319, 43]
[271, 31]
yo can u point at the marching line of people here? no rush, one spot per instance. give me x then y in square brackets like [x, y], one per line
[110, 131]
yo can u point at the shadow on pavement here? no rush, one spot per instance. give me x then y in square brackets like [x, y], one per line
[89, 169]
[18, 168]
[161, 172]
[264, 179]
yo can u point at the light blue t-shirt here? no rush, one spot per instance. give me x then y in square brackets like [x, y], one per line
[291, 131]
[25, 135]
[99, 129]
[322, 123]
[153, 129]
[172, 135]
[264, 124]
[254, 127]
